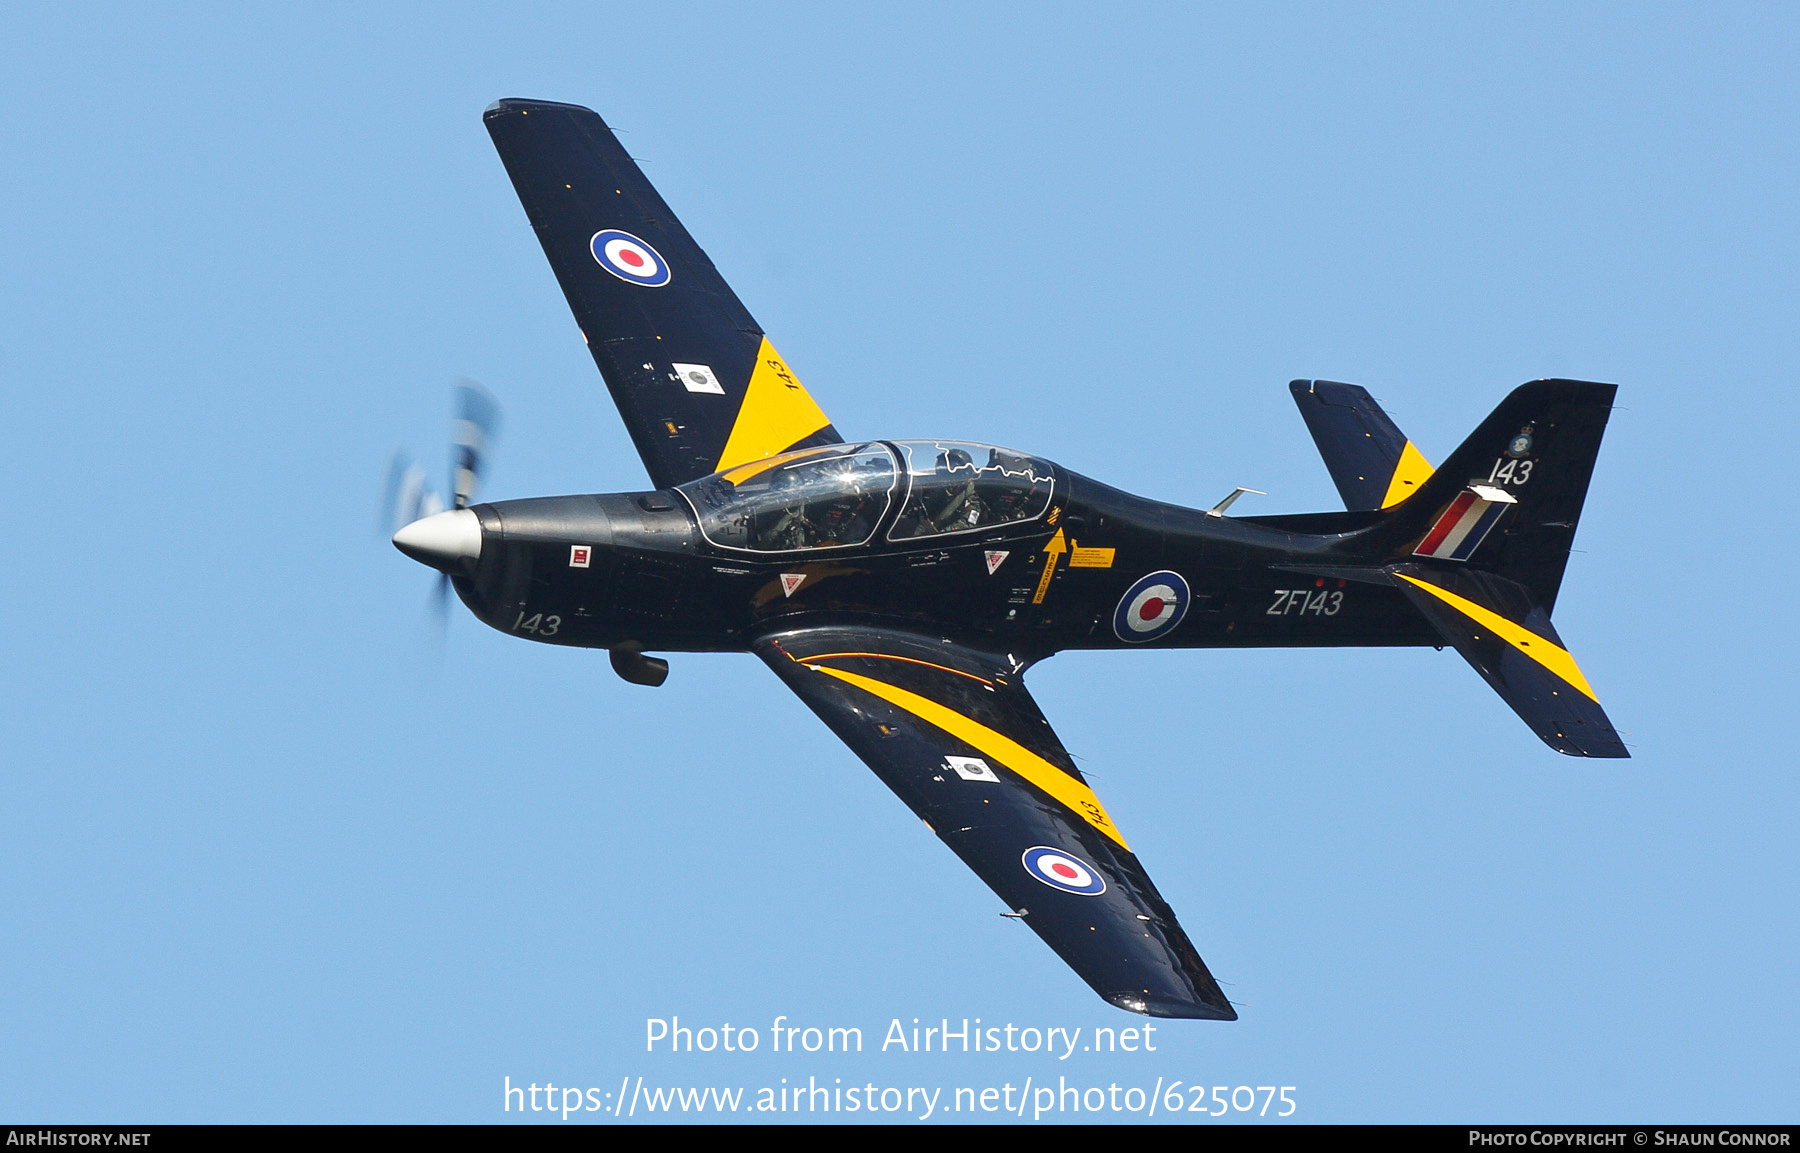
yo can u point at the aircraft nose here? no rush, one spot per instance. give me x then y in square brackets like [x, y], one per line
[442, 541]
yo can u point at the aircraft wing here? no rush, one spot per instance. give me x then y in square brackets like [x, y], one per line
[699, 385]
[952, 730]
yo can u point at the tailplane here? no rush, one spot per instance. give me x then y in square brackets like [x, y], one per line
[1369, 458]
[1510, 641]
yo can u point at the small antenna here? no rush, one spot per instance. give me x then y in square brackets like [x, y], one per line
[1219, 509]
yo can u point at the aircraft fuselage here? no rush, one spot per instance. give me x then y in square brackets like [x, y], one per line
[635, 569]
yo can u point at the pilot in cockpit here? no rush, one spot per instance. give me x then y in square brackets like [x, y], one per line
[790, 528]
[954, 504]
[822, 503]
[845, 514]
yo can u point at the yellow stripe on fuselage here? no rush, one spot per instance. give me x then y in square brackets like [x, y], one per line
[1410, 472]
[1071, 793]
[777, 413]
[1546, 653]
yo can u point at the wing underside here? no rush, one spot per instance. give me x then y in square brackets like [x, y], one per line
[953, 732]
[698, 384]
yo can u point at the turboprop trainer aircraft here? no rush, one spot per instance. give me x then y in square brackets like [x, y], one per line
[901, 588]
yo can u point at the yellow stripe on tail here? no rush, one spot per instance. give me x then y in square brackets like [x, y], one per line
[1547, 653]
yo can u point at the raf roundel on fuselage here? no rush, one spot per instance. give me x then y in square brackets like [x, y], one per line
[1152, 607]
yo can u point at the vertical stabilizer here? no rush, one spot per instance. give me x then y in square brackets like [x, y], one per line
[1508, 500]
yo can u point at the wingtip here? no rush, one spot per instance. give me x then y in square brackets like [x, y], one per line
[1136, 1002]
[508, 104]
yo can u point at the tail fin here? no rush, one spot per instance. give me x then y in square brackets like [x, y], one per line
[1509, 499]
[1370, 460]
[1480, 550]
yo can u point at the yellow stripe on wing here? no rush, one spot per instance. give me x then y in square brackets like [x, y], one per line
[890, 657]
[1544, 652]
[777, 413]
[1071, 793]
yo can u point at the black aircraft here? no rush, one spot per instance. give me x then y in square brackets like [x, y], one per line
[903, 588]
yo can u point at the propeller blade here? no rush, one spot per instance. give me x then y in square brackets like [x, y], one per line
[477, 425]
[406, 494]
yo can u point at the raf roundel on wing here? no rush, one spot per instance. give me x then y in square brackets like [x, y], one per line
[629, 258]
[1064, 871]
[1151, 607]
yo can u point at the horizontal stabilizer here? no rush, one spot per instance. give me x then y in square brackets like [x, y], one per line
[1497, 628]
[1370, 460]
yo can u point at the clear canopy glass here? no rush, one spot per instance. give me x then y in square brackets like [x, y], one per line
[835, 497]
[960, 487]
[831, 497]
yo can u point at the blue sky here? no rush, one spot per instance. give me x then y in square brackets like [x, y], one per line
[276, 852]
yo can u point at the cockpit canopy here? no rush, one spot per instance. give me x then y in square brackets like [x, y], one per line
[836, 497]
[960, 487]
[830, 497]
